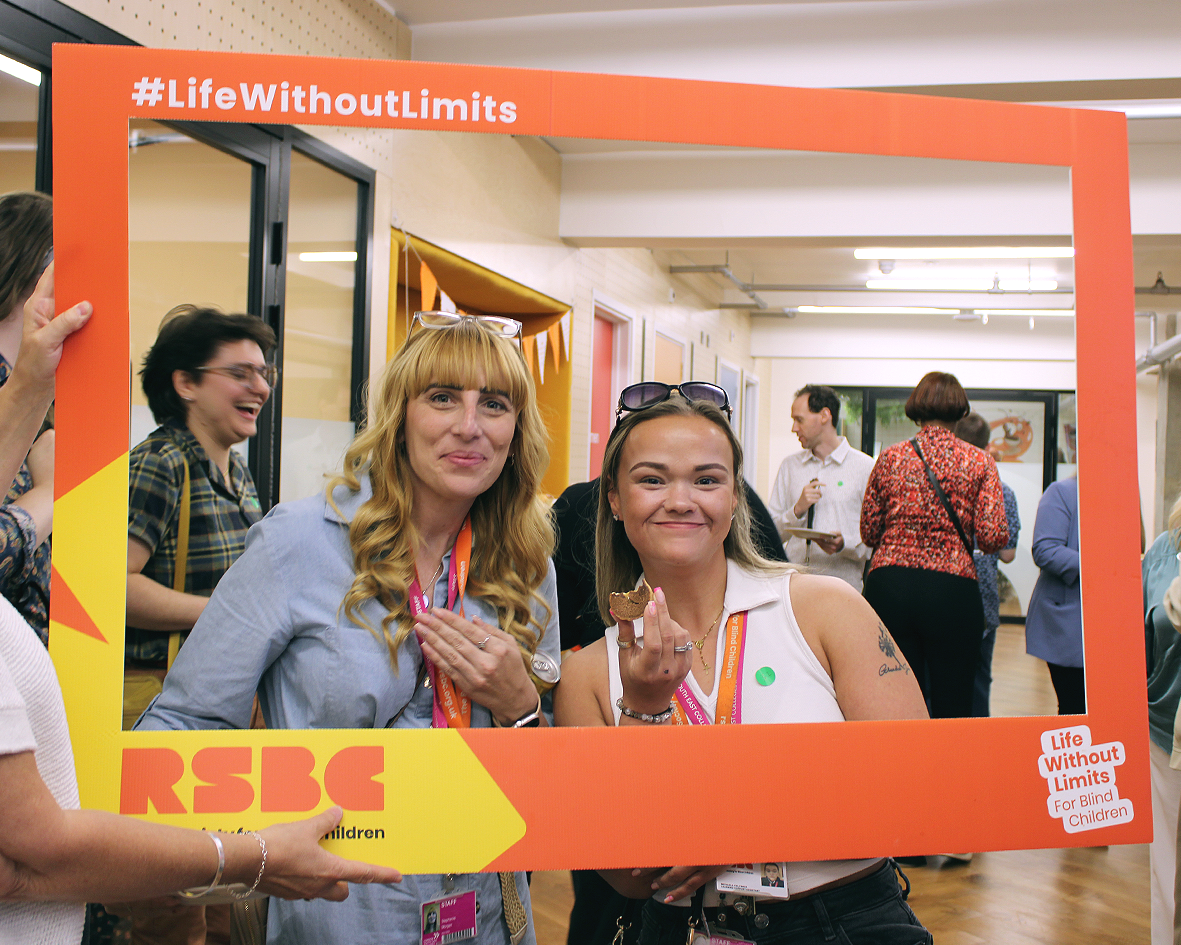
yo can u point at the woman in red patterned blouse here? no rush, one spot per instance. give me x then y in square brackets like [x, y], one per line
[922, 579]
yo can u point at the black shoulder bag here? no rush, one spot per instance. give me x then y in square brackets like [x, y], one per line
[955, 519]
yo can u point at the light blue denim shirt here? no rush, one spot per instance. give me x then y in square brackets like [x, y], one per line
[274, 624]
[1164, 681]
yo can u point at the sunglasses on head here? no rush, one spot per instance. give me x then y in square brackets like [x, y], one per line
[650, 393]
[500, 325]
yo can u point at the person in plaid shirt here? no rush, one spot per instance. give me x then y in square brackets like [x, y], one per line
[26, 512]
[206, 379]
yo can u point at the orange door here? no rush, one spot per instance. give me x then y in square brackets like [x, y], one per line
[601, 364]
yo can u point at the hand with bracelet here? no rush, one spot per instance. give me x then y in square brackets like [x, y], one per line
[652, 670]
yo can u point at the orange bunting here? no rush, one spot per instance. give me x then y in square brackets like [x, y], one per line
[429, 286]
[555, 339]
[529, 349]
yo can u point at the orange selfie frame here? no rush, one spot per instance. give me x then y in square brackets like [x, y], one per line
[453, 801]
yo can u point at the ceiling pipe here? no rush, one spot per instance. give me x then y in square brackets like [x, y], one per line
[1160, 287]
[725, 272]
[1157, 354]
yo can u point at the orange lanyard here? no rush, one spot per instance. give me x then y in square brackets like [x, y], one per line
[451, 709]
[688, 711]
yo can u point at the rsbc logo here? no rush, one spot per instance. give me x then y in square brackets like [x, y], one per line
[285, 781]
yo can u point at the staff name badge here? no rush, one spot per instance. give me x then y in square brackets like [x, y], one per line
[450, 919]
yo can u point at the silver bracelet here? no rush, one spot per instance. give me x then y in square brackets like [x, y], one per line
[261, 866]
[221, 865]
[658, 719]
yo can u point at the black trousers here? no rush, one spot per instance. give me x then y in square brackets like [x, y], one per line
[1070, 686]
[937, 620]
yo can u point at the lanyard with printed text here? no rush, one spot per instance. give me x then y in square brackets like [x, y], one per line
[688, 711]
[452, 709]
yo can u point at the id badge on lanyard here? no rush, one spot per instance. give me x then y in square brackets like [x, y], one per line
[688, 711]
[451, 708]
[450, 919]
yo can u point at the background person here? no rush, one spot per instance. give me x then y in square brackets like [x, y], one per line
[206, 379]
[26, 514]
[822, 487]
[324, 612]
[922, 578]
[974, 429]
[52, 853]
[1054, 617]
[1159, 569]
[670, 511]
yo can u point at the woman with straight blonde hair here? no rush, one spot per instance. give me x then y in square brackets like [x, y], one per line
[417, 592]
[671, 516]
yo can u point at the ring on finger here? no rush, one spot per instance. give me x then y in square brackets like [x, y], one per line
[683, 649]
[483, 643]
[625, 644]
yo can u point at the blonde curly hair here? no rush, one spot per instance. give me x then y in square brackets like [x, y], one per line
[512, 533]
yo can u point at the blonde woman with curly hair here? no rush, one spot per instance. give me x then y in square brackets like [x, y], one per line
[417, 592]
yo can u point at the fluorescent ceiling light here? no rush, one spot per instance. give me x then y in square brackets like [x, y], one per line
[1060, 312]
[1145, 108]
[20, 71]
[964, 252]
[874, 310]
[349, 256]
[963, 285]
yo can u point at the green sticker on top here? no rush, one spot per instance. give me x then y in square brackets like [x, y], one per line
[839, 483]
[765, 676]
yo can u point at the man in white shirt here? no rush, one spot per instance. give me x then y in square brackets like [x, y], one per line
[821, 488]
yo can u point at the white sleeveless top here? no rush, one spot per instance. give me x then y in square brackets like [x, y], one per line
[798, 689]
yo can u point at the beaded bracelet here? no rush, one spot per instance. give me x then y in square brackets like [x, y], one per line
[261, 866]
[658, 719]
[221, 865]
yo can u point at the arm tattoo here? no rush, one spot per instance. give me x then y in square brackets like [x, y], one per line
[886, 645]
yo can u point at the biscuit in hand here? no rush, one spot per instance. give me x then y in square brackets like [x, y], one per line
[630, 605]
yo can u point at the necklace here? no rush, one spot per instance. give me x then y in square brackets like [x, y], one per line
[700, 644]
[430, 587]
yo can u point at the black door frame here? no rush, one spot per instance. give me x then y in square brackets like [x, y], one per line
[28, 30]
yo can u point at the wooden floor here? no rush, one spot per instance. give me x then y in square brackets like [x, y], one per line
[1096, 896]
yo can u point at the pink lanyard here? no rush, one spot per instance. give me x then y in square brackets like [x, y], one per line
[451, 708]
[688, 711]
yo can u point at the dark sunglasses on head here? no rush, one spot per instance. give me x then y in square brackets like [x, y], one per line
[650, 393]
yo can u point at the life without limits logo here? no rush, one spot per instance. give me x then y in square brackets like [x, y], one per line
[1081, 779]
[284, 98]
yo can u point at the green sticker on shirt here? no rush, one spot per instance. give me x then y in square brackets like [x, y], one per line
[765, 676]
[839, 483]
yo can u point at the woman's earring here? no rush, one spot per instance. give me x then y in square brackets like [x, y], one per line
[615, 516]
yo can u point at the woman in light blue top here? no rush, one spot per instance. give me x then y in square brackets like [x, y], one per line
[1163, 651]
[325, 614]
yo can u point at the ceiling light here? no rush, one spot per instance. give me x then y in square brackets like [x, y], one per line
[20, 71]
[874, 310]
[964, 252]
[1150, 108]
[963, 285]
[1058, 312]
[349, 256]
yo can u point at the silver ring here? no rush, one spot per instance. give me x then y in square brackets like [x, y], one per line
[483, 643]
[683, 649]
[625, 644]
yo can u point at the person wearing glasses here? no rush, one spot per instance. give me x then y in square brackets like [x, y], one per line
[671, 515]
[416, 592]
[190, 493]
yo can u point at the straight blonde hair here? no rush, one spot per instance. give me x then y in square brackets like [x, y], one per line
[512, 534]
[617, 565]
